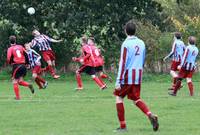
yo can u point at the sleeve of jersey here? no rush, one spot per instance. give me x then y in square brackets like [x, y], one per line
[9, 54]
[184, 56]
[144, 55]
[173, 49]
[121, 70]
[47, 37]
[33, 43]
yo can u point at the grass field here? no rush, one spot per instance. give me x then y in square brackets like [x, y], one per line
[60, 110]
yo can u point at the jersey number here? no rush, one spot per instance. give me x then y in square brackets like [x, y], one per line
[19, 55]
[137, 50]
[96, 52]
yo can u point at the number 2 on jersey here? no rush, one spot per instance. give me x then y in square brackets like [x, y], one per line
[137, 50]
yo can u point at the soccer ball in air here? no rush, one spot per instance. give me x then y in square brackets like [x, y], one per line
[31, 10]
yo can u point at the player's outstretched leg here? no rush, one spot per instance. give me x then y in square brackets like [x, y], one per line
[190, 86]
[105, 76]
[26, 84]
[120, 114]
[153, 118]
[79, 81]
[52, 70]
[99, 82]
[176, 88]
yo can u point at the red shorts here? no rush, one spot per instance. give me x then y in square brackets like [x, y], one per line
[185, 73]
[48, 55]
[174, 65]
[36, 70]
[132, 91]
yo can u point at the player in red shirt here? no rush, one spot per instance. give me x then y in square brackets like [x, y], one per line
[17, 57]
[42, 42]
[98, 59]
[35, 66]
[86, 60]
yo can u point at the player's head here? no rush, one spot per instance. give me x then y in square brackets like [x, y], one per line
[192, 40]
[130, 28]
[84, 39]
[35, 32]
[177, 35]
[91, 40]
[27, 46]
[12, 39]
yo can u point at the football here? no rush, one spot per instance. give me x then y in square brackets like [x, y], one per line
[31, 10]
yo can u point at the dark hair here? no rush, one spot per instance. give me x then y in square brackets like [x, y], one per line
[130, 28]
[177, 35]
[12, 39]
[84, 39]
[192, 40]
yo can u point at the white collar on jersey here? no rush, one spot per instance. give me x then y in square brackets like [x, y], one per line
[130, 37]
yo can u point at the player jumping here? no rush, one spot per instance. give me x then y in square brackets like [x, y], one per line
[176, 53]
[17, 57]
[187, 66]
[129, 77]
[86, 59]
[35, 65]
[43, 43]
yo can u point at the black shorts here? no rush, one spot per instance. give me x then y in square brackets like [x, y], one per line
[87, 69]
[19, 70]
[99, 68]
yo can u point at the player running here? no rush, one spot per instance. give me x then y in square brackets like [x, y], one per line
[35, 65]
[86, 59]
[42, 42]
[129, 77]
[187, 66]
[98, 60]
[17, 57]
[176, 53]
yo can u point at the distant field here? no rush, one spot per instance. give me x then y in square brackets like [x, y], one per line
[60, 110]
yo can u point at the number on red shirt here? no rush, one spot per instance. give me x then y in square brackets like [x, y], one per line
[18, 52]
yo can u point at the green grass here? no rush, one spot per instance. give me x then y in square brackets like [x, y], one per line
[59, 110]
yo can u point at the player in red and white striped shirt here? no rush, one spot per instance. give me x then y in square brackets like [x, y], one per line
[35, 66]
[43, 43]
[187, 66]
[129, 77]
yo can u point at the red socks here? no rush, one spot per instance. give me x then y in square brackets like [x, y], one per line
[190, 86]
[40, 79]
[23, 83]
[98, 82]
[51, 70]
[177, 86]
[120, 114]
[79, 81]
[16, 90]
[143, 107]
[104, 76]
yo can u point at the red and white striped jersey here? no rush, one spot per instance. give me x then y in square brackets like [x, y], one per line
[131, 61]
[189, 58]
[42, 42]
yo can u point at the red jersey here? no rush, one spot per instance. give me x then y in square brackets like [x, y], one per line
[86, 55]
[96, 56]
[16, 54]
